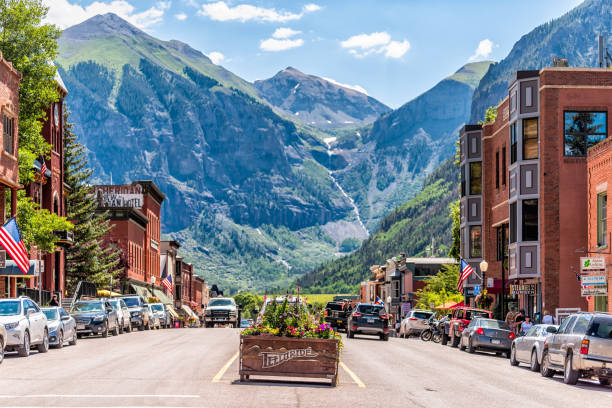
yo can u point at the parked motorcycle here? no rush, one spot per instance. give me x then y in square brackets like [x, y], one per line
[434, 331]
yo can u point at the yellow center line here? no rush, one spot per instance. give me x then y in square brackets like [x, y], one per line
[356, 379]
[223, 369]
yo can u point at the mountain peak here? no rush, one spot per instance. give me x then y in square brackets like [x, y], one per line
[103, 24]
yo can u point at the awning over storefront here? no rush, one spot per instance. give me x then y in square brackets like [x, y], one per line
[162, 296]
[172, 312]
[188, 311]
[141, 290]
[11, 269]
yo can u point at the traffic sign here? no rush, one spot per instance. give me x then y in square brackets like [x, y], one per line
[476, 290]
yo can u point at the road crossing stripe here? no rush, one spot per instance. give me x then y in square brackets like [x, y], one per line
[98, 396]
[356, 379]
[223, 369]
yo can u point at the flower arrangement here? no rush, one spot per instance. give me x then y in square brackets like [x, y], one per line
[291, 321]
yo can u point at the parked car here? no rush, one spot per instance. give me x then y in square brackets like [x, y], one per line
[368, 319]
[160, 310]
[221, 311]
[336, 314]
[487, 334]
[580, 348]
[95, 317]
[244, 323]
[527, 347]
[139, 312]
[460, 319]
[62, 326]
[25, 324]
[415, 322]
[123, 314]
[2, 342]
[154, 318]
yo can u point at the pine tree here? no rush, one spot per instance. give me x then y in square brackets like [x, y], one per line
[90, 258]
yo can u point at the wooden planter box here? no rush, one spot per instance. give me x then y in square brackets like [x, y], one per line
[289, 357]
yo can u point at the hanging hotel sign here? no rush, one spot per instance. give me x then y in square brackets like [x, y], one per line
[592, 265]
[528, 289]
[119, 196]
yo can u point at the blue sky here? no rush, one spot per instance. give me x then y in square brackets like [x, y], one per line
[393, 49]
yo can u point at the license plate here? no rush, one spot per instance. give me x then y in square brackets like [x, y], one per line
[494, 341]
[339, 321]
[80, 327]
[371, 321]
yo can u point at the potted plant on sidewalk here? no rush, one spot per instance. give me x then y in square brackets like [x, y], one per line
[287, 341]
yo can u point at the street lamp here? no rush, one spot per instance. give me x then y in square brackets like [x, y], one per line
[484, 265]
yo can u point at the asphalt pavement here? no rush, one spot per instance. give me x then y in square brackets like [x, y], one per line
[199, 368]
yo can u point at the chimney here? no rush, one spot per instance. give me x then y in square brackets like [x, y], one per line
[560, 62]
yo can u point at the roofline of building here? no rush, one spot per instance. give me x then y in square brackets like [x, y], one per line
[173, 243]
[600, 148]
[10, 67]
[151, 188]
[471, 128]
[429, 261]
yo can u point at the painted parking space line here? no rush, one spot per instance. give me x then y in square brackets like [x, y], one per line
[356, 379]
[221, 373]
[98, 396]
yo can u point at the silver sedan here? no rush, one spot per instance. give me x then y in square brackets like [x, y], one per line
[527, 348]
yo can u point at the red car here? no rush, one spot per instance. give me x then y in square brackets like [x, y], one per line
[462, 316]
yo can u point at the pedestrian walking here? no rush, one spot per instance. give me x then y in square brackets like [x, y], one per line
[54, 301]
[518, 320]
[548, 318]
[526, 325]
[510, 316]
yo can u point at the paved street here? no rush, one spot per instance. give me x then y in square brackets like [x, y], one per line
[185, 367]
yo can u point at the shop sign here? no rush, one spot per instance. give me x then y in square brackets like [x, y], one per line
[594, 291]
[592, 264]
[528, 289]
[594, 280]
[2, 259]
[119, 196]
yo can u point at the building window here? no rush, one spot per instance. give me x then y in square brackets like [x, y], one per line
[502, 242]
[8, 134]
[602, 219]
[513, 143]
[463, 243]
[496, 169]
[530, 220]
[513, 222]
[476, 241]
[530, 139]
[462, 181]
[584, 130]
[504, 168]
[475, 178]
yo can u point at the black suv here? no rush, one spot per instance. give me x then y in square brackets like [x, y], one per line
[368, 319]
[336, 314]
[95, 317]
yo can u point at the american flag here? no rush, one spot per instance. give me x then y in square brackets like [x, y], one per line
[464, 271]
[43, 170]
[167, 282]
[10, 238]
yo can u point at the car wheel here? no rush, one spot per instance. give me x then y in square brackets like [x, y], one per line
[141, 327]
[24, 350]
[461, 346]
[545, 370]
[129, 327]
[535, 364]
[602, 380]
[121, 326]
[455, 341]
[73, 342]
[470, 347]
[60, 339]
[105, 332]
[436, 337]
[444, 341]
[350, 334]
[513, 361]
[44, 346]
[116, 329]
[570, 376]
[1, 350]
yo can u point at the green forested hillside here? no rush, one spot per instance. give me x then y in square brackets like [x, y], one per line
[408, 229]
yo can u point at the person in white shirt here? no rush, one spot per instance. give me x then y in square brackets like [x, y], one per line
[526, 325]
[548, 318]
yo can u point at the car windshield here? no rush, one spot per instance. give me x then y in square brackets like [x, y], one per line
[88, 307]
[475, 314]
[158, 308]
[131, 301]
[601, 327]
[115, 304]
[422, 315]
[10, 307]
[51, 314]
[221, 302]
[494, 324]
[370, 309]
[334, 306]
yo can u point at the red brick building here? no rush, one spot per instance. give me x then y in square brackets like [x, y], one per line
[134, 212]
[534, 184]
[9, 171]
[599, 165]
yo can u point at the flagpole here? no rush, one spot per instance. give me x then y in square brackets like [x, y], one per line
[40, 272]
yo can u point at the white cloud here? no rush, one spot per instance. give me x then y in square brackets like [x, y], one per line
[485, 48]
[216, 57]
[363, 45]
[181, 16]
[272, 44]
[221, 11]
[353, 87]
[65, 14]
[283, 32]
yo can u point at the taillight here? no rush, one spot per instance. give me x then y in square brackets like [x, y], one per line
[357, 314]
[584, 347]
[326, 313]
[511, 335]
[480, 331]
[465, 322]
[386, 329]
[385, 317]
[413, 318]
